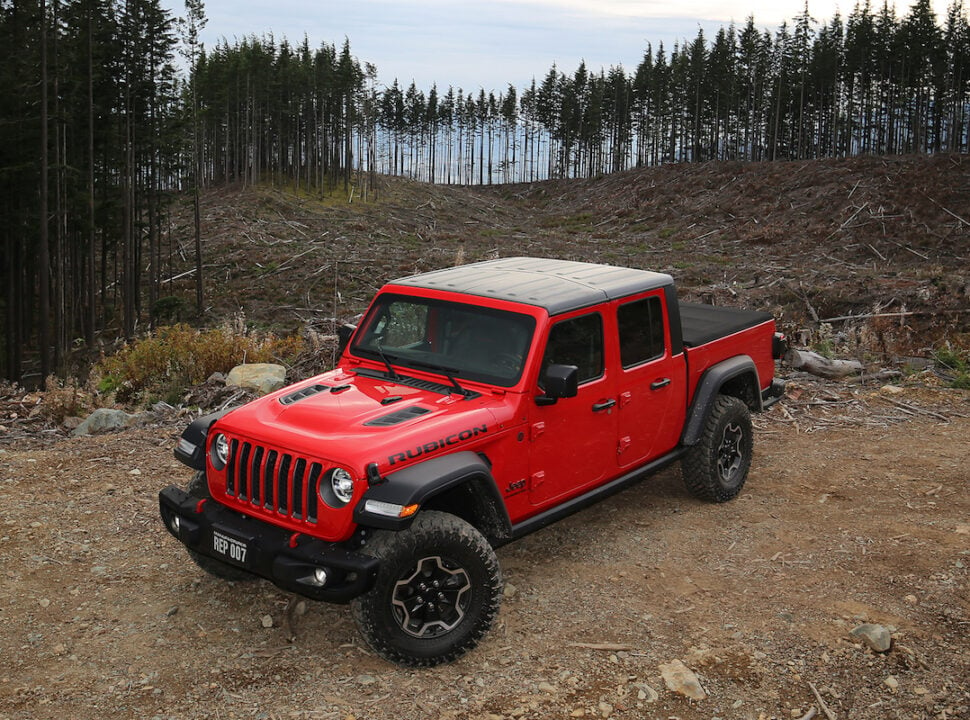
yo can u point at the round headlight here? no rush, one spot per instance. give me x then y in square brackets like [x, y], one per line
[220, 451]
[342, 484]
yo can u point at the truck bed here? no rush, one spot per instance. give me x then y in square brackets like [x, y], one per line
[701, 324]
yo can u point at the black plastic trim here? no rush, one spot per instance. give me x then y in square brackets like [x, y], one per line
[673, 319]
[707, 391]
[270, 553]
[414, 382]
[416, 484]
[398, 416]
[779, 346]
[194, 436]
[536, 522]
[306, 392]
[772, 394]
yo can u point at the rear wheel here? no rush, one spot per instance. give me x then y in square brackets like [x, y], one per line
[436, 594]
[716, 468]
[200, 489]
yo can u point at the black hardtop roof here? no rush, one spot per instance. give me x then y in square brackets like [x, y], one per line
[556, 285]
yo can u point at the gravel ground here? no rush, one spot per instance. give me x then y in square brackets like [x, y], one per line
[850, 516]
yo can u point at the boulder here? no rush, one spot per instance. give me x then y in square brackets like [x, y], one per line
[103, 420]
[262, 377]
[876, 637]
[680, 679]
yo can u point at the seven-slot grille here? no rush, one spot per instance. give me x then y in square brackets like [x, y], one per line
[274, 481]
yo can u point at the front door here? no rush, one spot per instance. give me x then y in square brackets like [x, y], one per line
[574, 440]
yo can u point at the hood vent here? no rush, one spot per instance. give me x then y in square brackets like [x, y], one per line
[301, 394]
[398, 416]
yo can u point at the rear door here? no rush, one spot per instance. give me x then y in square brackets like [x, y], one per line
[649, 381]
[574, 440]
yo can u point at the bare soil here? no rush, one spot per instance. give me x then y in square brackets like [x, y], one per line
[857, 509]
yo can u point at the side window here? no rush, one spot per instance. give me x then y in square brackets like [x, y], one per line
[641, 327]
[577, 341]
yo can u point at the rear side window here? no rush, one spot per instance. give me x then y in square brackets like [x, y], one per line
[641, 331]
[577, 341]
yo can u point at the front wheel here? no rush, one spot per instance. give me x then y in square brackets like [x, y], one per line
[716, 467]
[436, 594]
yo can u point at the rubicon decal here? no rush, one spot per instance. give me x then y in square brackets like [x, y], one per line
[430, 447]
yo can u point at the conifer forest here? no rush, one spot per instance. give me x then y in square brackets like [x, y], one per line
[112, 112]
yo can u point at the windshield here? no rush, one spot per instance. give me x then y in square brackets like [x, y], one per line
[454, 339]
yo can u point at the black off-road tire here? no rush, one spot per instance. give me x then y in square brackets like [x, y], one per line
[716, 467]
[436, 594]
[200, 489]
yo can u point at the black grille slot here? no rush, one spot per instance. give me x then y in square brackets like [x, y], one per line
[311, 497]
[299, 483]
[231, 468]
[398, 416]
[274, 481]
[268, 475]
[283, 485]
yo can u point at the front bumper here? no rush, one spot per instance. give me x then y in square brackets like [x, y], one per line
[288, 560]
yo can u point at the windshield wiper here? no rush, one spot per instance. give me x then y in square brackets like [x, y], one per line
[448, 372]
[379, 352]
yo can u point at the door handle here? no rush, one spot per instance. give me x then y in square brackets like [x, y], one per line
[658, 384]
[605, 405]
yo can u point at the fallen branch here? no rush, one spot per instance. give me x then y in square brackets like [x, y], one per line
[828, 713]
[948, 212]
[915, 409]
[822, 367]
[879, 376]
[610, 647]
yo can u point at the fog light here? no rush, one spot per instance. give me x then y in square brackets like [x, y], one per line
[320, 576]
[175, 524]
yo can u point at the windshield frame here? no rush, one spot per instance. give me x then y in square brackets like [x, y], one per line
[497, 341]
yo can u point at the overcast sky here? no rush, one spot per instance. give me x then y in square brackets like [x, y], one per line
[490, 44]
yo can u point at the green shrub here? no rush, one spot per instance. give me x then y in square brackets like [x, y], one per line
[955, 362]
[176, 357]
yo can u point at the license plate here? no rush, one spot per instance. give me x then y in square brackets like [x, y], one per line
[229, 548]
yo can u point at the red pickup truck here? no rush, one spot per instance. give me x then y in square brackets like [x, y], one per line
[471, 406]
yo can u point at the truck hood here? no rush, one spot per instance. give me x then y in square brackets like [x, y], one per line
[356, 419]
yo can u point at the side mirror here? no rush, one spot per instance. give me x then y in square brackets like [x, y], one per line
[344, 333]
[560, 381]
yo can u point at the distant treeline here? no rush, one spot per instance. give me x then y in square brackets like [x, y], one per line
[100, 134]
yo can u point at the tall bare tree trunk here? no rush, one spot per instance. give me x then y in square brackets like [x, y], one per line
[43, 259]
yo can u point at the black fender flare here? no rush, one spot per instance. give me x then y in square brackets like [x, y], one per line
[417, 484]
[190, 449]
[713, 379]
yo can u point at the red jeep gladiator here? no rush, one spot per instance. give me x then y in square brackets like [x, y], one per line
[471, 406]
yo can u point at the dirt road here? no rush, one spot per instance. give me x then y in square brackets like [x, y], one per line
[847, 518]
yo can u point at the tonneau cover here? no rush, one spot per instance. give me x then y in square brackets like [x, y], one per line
[702, 324]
